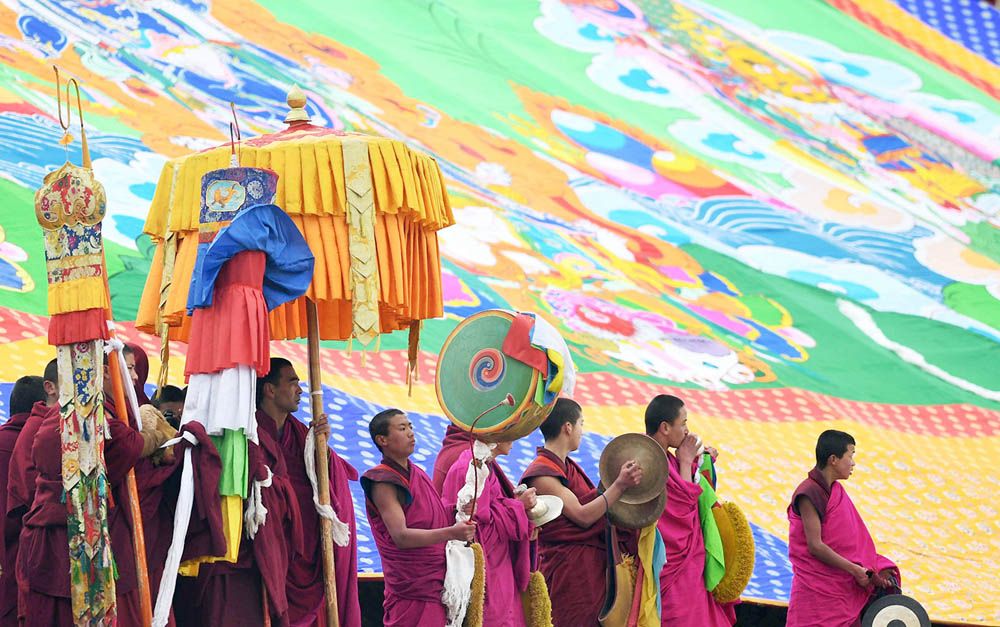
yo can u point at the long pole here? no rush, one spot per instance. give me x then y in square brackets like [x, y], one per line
[138, 537]
[322, 466]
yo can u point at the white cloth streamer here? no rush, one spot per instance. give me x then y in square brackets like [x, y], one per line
[117, 345]
[457, 591]
[340, 530]
[255, 514]
[223, 400]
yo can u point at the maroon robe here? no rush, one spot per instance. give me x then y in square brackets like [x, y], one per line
[232, 594]
[414, 578]
[455, 441]
[9, 433]
[20, 492]
[305, 586]
[572, 559]
[43, 557]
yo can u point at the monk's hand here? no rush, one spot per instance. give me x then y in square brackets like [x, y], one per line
[711, 450]
[321, 427]
[882, 579]
[861, 576]
[688, 449]
[630, 474]
[462, 531]
[528, 498]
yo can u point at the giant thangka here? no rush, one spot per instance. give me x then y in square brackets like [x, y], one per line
[784, 212]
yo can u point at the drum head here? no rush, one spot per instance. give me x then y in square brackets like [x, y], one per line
[473, 374]
[895, 610]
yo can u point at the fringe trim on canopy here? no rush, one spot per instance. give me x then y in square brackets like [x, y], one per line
[739, 551]
[536, 602]
[477, 600]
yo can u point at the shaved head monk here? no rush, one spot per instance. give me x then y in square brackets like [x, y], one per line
[279, 394]
[410, 525]
[572, 548]
[686, 600]
[835, 569]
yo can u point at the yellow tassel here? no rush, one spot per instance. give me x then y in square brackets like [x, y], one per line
[739, 550]
[474, 615]
[536, 602]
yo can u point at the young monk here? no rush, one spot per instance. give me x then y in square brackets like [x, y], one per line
[278, 396]
[835, 568]
[43, 558]
[26, 392]
[504, 532]
[686, 602]
[572, 548]
[410, 525]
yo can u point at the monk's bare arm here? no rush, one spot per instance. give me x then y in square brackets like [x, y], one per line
[582, 515]
[820, 550]
[385, 497]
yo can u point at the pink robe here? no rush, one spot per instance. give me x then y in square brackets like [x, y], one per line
[686, 601]
[503, 530]
[305, 589]
[823, 595]
[414, 578]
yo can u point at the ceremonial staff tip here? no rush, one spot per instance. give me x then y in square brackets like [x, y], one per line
[296, 100]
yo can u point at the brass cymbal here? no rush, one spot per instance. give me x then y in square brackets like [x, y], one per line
[650, 457]
[639, 515]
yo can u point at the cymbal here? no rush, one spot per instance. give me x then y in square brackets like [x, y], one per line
[639, 515]
[650, 457]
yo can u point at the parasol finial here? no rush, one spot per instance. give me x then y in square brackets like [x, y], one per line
[297, 104]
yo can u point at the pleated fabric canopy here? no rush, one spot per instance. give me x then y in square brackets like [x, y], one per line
[369, 208]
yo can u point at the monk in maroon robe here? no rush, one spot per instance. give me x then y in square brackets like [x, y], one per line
[685, 599]
[454, 444]
[835, 569]
[278, 395]
[572, 548]
[22, 473]
[228, 594]
[43, 558]
[27, 391]
[410, 526]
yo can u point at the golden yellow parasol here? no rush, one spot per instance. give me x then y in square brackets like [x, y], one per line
[368, 206]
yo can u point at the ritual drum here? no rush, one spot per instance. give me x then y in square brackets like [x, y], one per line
[474, 374]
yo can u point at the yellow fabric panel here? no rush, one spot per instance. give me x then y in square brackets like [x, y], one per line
[232, 528]
[77, 295]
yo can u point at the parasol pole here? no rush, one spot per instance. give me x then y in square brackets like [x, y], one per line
[322, 466]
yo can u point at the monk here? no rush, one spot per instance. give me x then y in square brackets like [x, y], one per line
[835, 569]
[410, 525]
[278, 395]
[20, 490]
[43, 558]
[226, 594]
[454, 443]
[685, 599]
[572, 548]
[504, 532]
[27, 391]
